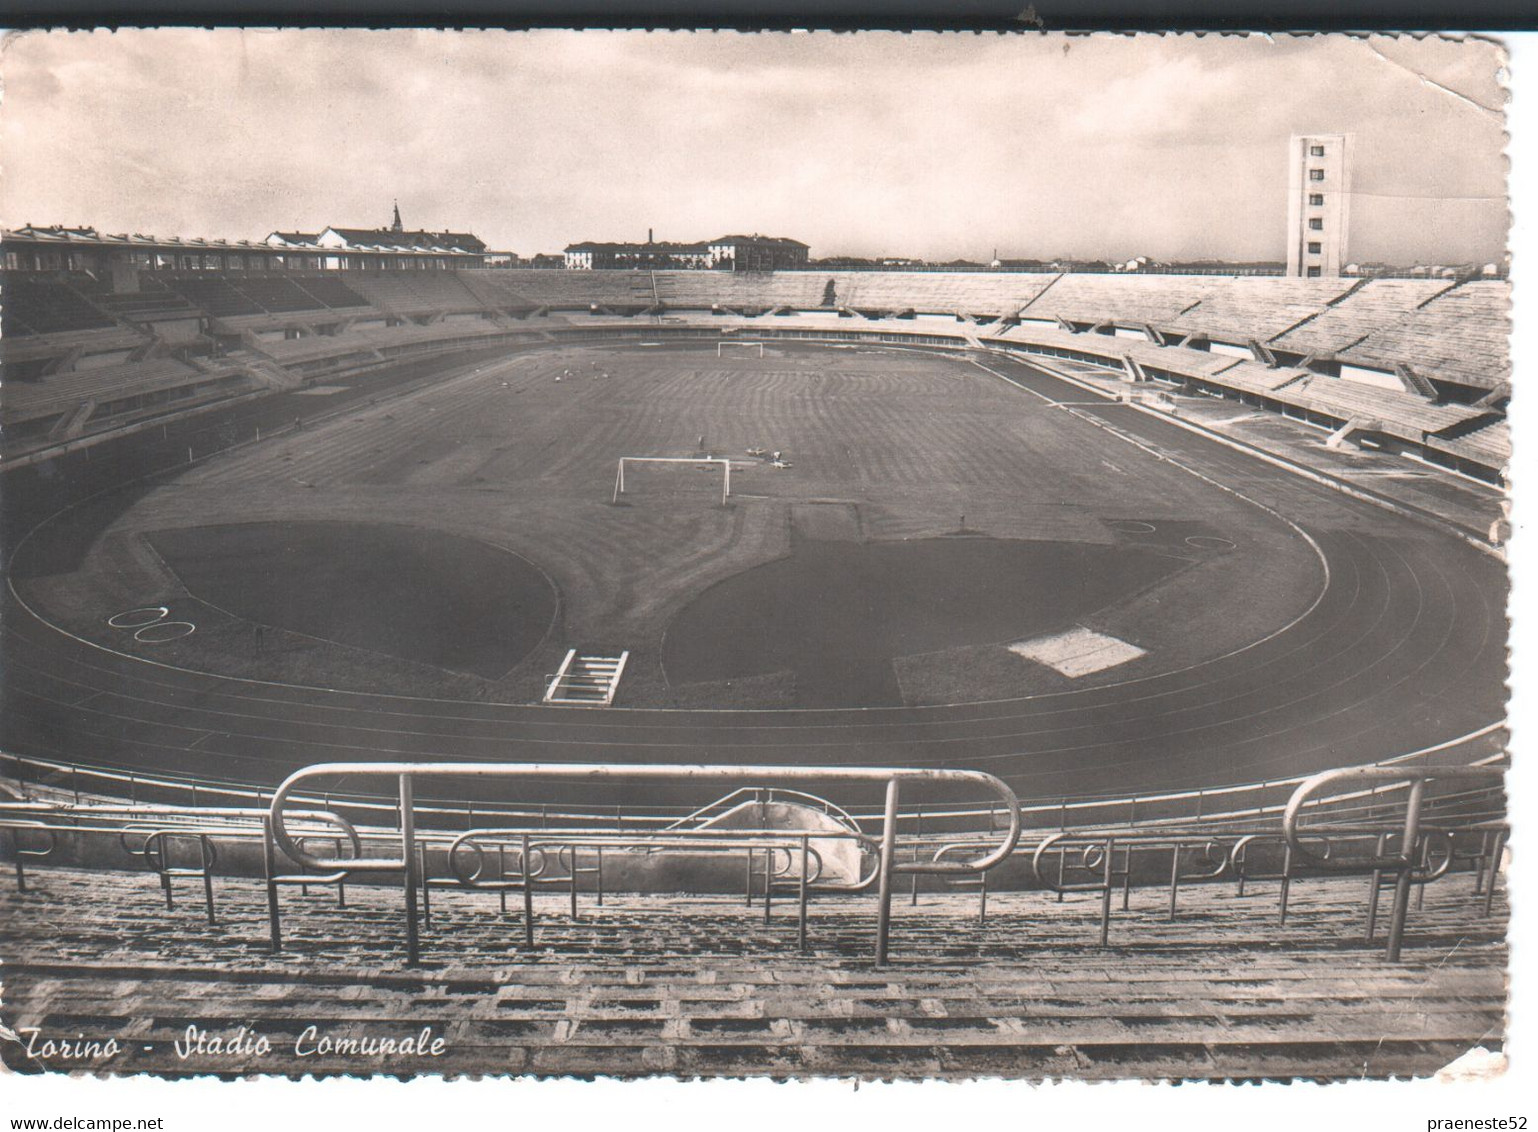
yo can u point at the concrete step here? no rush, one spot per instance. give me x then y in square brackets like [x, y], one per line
[699, 985]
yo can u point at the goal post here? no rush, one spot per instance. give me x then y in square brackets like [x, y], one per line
[722, 345]
[698, 461]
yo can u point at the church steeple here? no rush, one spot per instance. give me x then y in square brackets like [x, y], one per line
[396, 227]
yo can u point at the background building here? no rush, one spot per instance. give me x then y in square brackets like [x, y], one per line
[591, 255]
[372, 249]
[728, 253]
[757, 253]
[1318, 200]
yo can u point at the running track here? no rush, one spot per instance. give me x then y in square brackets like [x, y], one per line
[1404, 649]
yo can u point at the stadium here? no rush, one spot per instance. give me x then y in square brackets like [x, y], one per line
[567, 662]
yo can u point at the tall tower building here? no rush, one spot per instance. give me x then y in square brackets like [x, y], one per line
[1318, 204]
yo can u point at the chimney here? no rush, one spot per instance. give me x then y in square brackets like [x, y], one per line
[649, 239]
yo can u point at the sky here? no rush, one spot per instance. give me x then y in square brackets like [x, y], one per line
[936, 146]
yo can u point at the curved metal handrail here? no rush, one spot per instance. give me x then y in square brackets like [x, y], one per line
[1404, 863]
[406, 774]
[36, 827]
[155, 851]
[1417, 779]
[1093, 853]
[471, 839]
[349, 831]
[610, 772]
[479, 840]
[1093, 847]
[21, 852]
[1238, 856]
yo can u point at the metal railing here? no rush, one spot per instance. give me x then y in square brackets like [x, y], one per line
[1411, 862]
[21, 851]
[1109, 857]
[406, 775]
[160, 836]
[1239, 804]
[1351, 821]
[470, 855]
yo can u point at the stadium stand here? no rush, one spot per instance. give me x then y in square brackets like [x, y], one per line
[1226, 980]
[153, 301]
[1488, 445]
[40, 307]
[109, 392]
[330, 292]
[1210, 995]
[939, 292]
[375, 340]
[216, 295]
[1443, 341]
[703, 290]
[277, 294]
[419, 293]
[1252, 377]
[1405, 415]
[1357, 314]
[1459, 336]
[495, 290]
[570, 290]
[1239, 309]
[1126, 299]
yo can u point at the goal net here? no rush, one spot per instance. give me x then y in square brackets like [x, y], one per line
[733, 349]
[679, 476]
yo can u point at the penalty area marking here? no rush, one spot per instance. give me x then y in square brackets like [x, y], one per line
[1078, 652]
[1209, 542]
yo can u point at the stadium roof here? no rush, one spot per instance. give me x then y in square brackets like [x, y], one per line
[58, 234]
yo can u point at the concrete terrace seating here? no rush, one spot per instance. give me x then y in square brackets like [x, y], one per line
[1179, 360]
[1488, 445]
[701, 985]
[275, 293]
[38, 307]
[1127, 299]
[939, 292]
[1253, 377]
[704, 289]
[33, 400]
[99, 340]
[1399, 413]
[330, 291]
[415, 292]
[215, 295]
[142, 307]
[495, 288]
[1404, 414]
[581, 288]
[317, 347]
[1461, 335]
[1259, 307]
[1370, 307]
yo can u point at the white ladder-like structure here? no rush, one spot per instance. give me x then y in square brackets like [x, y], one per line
[586, 681]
